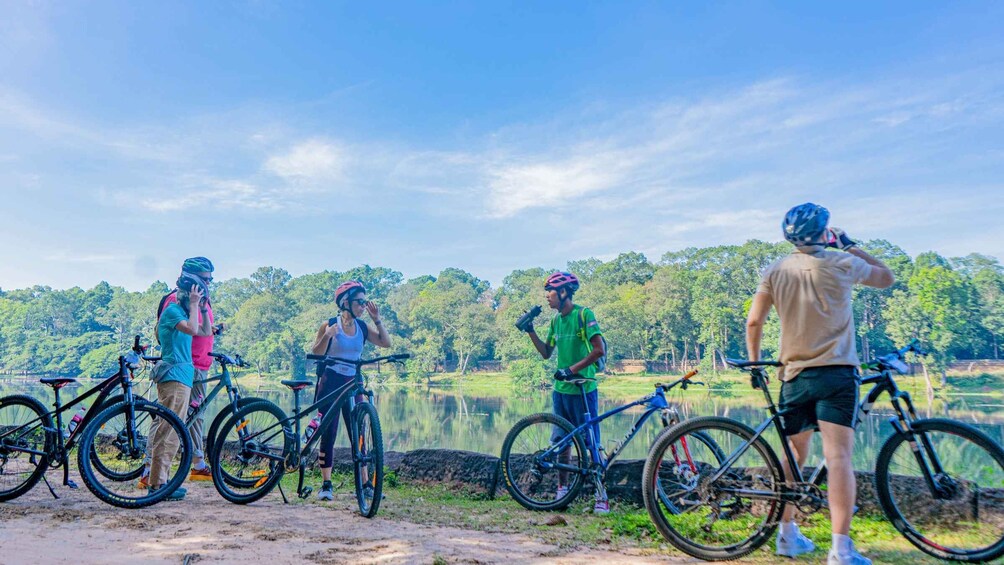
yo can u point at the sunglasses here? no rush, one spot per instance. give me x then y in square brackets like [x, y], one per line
[359, 301]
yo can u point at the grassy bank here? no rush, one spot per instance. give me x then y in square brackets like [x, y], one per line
[626, 528]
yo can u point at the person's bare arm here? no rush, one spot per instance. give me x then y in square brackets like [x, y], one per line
[544, 349]
[759, 310]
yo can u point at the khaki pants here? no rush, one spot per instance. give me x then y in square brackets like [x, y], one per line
[164, 442]
[198, 391]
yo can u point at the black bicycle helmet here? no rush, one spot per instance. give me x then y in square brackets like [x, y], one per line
[804, 224]
[185, 282]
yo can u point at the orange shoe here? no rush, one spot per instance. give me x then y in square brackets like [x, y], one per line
[144, 482]
[204, 474]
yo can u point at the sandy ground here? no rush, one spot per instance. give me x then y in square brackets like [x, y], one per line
[204, 528]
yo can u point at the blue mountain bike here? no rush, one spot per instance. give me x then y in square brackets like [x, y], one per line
[544, 451]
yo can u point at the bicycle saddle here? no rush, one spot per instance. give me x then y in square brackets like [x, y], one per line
[297, 385]
[57, 382]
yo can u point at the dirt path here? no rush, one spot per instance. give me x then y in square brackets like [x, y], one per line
[37, 529]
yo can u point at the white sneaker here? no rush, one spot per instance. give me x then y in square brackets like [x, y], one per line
[562, 492]
[795, 546]
[850, 558]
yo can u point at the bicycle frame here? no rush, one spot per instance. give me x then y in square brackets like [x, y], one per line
[64, 445]
[227, 382]
[656, 402]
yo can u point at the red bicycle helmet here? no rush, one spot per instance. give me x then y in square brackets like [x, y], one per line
[562, 280]
[345, 291]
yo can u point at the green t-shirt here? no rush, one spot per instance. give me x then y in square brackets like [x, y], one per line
[563, 334]
[175, 345]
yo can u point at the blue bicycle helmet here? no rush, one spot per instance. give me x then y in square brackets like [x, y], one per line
[804, 224]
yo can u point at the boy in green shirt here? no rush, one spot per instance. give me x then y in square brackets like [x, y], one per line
[576, 359]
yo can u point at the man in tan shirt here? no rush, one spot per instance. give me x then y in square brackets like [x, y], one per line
[811, 290]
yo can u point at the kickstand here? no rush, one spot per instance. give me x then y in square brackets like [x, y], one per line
[283, 493]
[52, 490]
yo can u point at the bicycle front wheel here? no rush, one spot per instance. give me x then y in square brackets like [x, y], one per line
[250, 452]
[534, 469]
[119, 472]
[24, 454]
[367, 458]
[117, 438]
[959, 514]
[707, 518]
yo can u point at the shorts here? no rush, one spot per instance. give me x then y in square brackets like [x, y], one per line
[827, 393]
[571, 408]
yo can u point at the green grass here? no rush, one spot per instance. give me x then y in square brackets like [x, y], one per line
[627, 527]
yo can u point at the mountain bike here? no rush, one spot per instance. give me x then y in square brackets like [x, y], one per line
[225, 381]
[544, 450]
[260, 443]
[113, 436]
[940, 482]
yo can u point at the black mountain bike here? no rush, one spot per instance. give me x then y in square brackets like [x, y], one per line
[113, 440]
[260, 443]
[225, 381]
[939, 481]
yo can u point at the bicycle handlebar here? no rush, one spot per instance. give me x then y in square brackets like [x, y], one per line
[224, 359]
[328, 360]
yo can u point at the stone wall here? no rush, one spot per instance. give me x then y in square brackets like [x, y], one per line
[479, 472]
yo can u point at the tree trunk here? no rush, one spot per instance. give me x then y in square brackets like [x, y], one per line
[930, 387]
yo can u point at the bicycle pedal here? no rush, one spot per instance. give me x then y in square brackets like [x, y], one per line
[306, 492]
[70, 483]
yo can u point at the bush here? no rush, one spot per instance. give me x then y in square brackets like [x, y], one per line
[530, 373]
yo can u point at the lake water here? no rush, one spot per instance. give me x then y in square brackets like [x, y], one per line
[478, 419]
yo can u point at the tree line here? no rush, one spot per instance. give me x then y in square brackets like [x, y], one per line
[687, 308]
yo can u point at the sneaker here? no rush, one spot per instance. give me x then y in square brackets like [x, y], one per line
[178, 494]
[795, 546]
[601, 507]
[327, 492]
[144, 482]
[204, 474]
[850, 558]
[562, 492]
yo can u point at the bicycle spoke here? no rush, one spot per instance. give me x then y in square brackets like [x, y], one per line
[961, 509]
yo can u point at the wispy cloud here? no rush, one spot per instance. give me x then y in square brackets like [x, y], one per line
[311, 161]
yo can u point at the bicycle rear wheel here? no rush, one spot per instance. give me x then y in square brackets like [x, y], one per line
[962, 518]
[709, 519]
[528, 462]
[24, 455]
[117, 438]
[251, 449]
[367, 458]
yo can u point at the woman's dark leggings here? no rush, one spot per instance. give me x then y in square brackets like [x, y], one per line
[328, 383]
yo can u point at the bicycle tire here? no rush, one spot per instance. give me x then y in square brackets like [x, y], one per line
[967, 458]
[218, 421]
[40, 462]
[366, 422]
[134, 452]
[99, 465]
[230, 443]
[653, 501]
[519, 473]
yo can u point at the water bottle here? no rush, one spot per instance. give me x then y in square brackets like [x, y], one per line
[312, 427]
[75, 421]
[525, 322]
[193, 406]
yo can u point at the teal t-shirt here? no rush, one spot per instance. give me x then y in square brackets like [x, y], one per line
[175, 345]
[563, 334]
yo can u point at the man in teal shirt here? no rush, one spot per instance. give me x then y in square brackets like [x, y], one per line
[576, 335]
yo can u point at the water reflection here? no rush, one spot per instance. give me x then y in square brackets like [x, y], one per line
[477, 420]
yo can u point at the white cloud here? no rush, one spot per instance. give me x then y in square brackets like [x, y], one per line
[311, 161]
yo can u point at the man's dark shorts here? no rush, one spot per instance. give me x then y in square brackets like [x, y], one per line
[571, 408]
[826, 393]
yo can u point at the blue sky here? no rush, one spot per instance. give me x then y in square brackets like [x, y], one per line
[486, 136]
